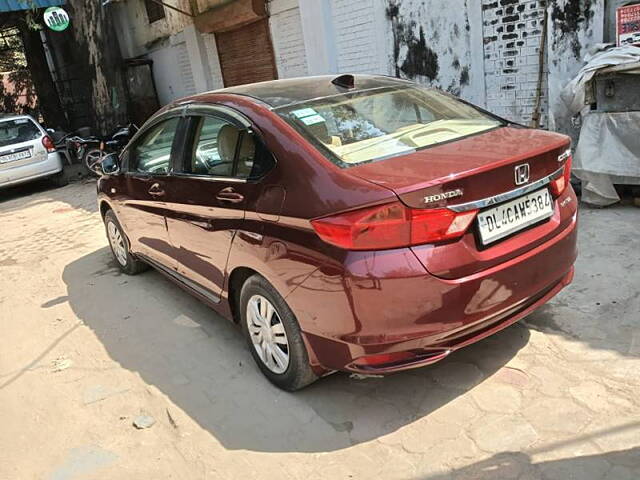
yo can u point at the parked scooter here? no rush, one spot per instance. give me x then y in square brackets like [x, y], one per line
[92, 149]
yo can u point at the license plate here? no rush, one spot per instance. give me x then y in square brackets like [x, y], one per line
[15, 156]
[503, 220]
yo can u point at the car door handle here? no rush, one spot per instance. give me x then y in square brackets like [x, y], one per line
[229, 195]
[155, 190]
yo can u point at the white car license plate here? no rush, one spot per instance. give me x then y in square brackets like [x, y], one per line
[15, 156]
[510, 217]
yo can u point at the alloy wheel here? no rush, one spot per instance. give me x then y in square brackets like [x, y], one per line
[267, 333]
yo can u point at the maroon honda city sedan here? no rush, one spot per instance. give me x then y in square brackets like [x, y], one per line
[359, 223]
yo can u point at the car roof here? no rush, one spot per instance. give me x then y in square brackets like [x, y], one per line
[14, 116]
[280, 93]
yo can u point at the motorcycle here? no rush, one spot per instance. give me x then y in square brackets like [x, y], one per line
[65, 142]
[93, 149]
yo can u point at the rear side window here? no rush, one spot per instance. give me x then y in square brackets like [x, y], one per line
[373, 125]
[152, 152]
[221, 149]
[17, 131]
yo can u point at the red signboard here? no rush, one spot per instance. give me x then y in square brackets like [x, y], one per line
[628, 25]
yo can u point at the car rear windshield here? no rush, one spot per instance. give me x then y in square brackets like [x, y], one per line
[376, 124]
[18, 130]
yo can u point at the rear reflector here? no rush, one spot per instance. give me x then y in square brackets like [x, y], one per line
[392, 225]
[48, 144]
[560, 184]
[384, 359]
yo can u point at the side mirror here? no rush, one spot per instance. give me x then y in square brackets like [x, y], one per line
[109, 165]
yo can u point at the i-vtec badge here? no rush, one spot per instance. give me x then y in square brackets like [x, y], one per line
[443, 196]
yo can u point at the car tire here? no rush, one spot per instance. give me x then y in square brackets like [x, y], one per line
[59, 180]
[298, 373]
[119, 244]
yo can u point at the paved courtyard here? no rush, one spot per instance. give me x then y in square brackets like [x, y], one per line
[87, 351]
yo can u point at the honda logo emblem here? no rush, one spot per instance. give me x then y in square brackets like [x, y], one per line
[522, 174]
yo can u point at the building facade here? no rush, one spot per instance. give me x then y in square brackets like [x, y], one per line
[496, 53]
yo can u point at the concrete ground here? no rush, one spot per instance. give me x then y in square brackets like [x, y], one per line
[85, 351]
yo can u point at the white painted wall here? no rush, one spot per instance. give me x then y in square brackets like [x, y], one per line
[167, 77]
[319, 36]
[288, 39]
[359, 36]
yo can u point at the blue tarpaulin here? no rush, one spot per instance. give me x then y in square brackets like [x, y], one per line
[15, 5]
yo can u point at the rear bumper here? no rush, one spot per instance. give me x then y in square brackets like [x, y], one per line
[32, 171]
[386, 302]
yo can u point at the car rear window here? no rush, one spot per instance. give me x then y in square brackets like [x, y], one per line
[18, 130]
[371, 125]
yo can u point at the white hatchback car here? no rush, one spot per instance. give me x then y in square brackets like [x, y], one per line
[27, 152]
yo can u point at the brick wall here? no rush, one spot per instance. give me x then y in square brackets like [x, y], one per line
[287, 38]
[354, 24]
[512, 30]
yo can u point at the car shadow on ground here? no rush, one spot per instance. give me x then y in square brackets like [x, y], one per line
[201, 362]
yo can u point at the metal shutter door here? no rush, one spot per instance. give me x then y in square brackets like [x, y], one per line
[246, 54]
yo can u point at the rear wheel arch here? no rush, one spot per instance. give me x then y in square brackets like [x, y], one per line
[237, 278]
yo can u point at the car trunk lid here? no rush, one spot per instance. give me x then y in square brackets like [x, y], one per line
[468, 170]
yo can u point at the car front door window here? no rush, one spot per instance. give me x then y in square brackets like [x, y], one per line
[152, 154]
[147, 187]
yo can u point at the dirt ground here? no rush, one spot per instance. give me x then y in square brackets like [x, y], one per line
[86, 352]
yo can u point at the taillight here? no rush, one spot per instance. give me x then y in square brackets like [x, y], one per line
[433, 226]
[48, 144]
[560, 184]
[392, 225]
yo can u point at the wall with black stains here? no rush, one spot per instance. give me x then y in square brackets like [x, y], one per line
[487, 51]
[513, 33]
[577, 26]
[438, 43]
